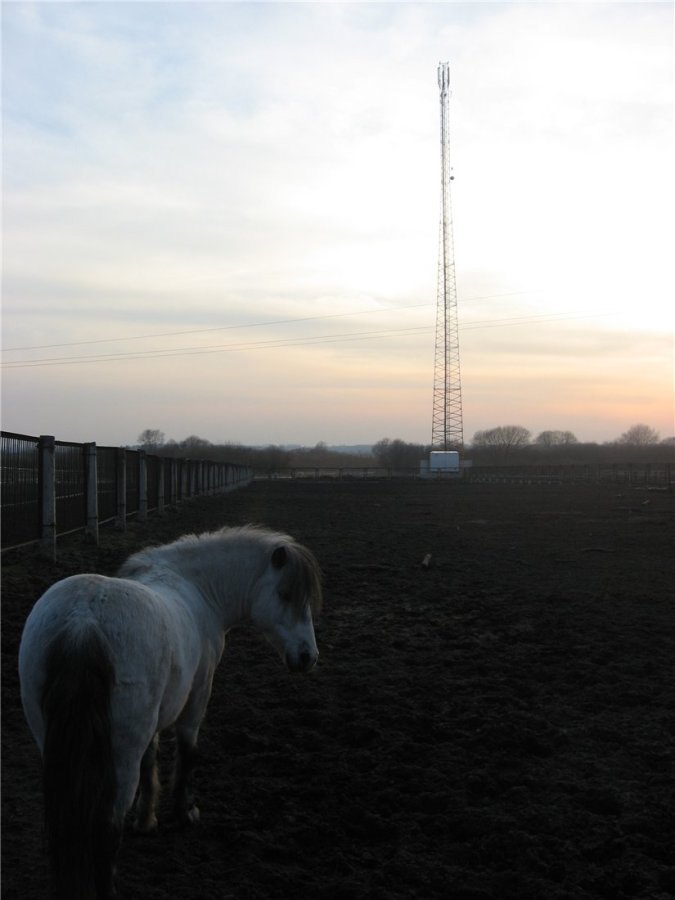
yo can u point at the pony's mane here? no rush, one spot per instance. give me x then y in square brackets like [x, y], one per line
[304, 583]
[301, 575]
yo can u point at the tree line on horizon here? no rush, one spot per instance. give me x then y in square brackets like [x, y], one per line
[502, 445]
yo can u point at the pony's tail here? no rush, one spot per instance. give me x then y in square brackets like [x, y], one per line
[79, 775]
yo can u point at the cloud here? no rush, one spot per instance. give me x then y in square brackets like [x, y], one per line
[193, 165]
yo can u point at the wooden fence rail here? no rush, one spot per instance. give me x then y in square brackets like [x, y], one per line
[51, 488]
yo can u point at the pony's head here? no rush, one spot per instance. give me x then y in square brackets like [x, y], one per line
[286, 594]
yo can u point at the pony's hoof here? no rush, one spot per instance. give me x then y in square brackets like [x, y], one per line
[188, 817]
[146, 826]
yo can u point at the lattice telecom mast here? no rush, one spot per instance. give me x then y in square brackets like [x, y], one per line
[447, 431]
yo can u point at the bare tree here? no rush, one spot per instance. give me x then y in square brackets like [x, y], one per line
[504, 437]
[272, 458]
[195, 444]
[151, 439]
[555, 438]
[398, 454]
[639, 435]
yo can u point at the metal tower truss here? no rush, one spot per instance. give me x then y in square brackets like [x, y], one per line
[447, 432]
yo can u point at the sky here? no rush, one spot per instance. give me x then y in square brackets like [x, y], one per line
[222, 219]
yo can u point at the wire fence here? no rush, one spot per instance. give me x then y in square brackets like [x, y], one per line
[106, 483]
[71, 498]
[20, 476]
[653, 475]
[51, 488]
[661, 475]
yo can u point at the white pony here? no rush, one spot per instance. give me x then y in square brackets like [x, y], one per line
[106, 664]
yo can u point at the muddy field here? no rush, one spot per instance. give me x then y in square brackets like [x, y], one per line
[500, 724]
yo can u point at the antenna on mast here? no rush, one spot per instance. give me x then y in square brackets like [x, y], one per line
[447, 431]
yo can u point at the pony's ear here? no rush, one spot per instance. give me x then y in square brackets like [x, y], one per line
[279, 557]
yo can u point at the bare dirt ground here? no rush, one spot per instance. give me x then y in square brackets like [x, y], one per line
[499, 725]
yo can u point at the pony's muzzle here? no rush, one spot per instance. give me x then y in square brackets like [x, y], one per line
[301, 662]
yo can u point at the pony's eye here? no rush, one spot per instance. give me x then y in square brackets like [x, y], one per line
[285, 596]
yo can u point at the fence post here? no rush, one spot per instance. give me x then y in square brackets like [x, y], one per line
[91, 491]
[142, 486]
[46, 451]
[121, 480]
[173, 474]
[161, 490]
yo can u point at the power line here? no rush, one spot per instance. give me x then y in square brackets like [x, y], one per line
[279, 343]
[217, 348]
[140, 337]
[530, 320]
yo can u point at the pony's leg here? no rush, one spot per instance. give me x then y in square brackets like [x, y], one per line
[106, 850]
[185, 808]
[187, 731]
[146, 819]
